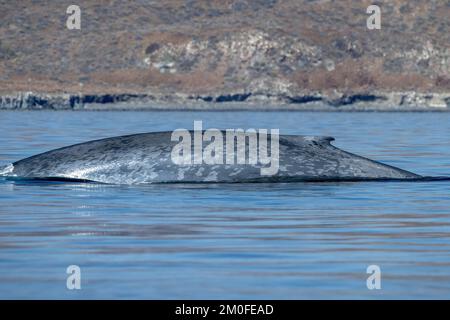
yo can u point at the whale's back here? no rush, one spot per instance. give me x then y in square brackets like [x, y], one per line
[146, 158]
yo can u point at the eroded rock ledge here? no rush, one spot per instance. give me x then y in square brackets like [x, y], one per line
[377, 101]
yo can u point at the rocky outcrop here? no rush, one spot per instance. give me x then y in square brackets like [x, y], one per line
[407, 101]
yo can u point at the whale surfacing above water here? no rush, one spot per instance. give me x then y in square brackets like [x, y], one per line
[148, 158]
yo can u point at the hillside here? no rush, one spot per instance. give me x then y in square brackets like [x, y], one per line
[293, 51]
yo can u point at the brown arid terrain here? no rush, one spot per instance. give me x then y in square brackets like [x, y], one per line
[259, 52]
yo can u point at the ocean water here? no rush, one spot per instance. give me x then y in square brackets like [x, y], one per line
[229, 241]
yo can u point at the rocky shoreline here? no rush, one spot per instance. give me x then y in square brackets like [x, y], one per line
[219, 55]
[374, 101]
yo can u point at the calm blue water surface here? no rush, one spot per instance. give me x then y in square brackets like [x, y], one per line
[249, 241]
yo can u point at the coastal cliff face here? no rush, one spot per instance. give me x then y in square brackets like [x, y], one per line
[262, 51]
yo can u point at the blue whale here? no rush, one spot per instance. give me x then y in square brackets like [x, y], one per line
[148, 158]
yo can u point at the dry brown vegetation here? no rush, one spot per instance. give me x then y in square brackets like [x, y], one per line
[319, 45]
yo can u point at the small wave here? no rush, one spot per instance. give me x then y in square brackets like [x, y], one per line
[6, 171]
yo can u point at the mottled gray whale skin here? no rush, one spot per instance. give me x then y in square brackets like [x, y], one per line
[146, 158]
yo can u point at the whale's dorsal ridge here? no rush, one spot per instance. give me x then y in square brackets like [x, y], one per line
[319, 139]
[148, 158]
[325, 139]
